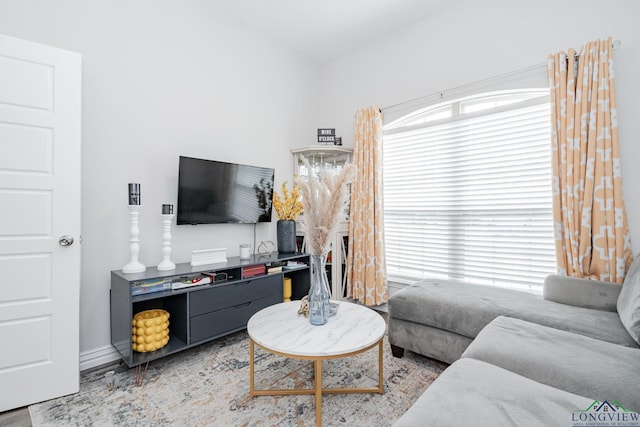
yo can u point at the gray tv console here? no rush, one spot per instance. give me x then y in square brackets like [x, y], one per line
[200, 313]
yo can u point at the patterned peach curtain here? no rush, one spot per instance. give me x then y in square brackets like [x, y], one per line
[590, 221]
[366, 266]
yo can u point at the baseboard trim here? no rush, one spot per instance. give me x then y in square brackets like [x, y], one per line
[98, 357]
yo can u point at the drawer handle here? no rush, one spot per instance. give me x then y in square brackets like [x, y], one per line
[242, 305]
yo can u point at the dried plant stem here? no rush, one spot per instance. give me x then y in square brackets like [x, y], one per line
[323, 200]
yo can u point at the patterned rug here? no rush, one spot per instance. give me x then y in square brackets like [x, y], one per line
[209, 386]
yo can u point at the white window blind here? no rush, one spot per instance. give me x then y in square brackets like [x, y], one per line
[468, 194]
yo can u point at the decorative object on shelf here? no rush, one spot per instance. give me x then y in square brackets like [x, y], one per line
[266, 247]
[327, 135]
[134, 194]
[286, 289]
[134, 266]
[167, 209]
[253, 270]
[150, 330]
[208, 256]
[245, 251]
[167, 216]
[286, 234]
[323, 200]
[304, 306]
[287, 210]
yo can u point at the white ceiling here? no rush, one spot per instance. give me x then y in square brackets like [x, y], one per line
[326, 29]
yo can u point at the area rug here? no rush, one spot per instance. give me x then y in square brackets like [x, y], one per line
[208, 385]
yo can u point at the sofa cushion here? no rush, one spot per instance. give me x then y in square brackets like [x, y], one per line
[629, 301]
[570, 362]
[465, 309]
[475, 393]
[586, 293]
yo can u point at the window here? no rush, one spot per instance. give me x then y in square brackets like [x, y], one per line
[467, 190]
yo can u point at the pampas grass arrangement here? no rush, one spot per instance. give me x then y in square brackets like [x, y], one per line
[323, 201]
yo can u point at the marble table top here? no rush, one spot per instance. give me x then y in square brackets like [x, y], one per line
[280, 328]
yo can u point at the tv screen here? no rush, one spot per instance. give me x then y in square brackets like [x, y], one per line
[212, 192]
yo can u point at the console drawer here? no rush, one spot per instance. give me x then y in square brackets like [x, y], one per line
[212, 325]
[228, 295]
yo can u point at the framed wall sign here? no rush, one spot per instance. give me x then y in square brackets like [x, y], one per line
[327, 135]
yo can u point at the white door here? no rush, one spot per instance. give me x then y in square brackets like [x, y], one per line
[40, 96]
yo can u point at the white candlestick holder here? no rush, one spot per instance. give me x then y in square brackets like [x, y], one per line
[134, 266]
[166, 263]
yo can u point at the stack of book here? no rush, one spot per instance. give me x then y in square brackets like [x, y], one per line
[293, 265]
[150, 286]
[253, 270]
[186, 282]
[274, 269]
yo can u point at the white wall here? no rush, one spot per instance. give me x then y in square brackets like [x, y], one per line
[474, 40]
[164, 78]
[161, 79]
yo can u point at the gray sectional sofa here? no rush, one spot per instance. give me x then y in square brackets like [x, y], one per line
[520, 359]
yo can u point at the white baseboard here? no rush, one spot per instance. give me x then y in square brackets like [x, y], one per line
[98, 357]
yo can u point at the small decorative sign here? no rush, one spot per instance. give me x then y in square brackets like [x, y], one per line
[208, 256]
[327, 135]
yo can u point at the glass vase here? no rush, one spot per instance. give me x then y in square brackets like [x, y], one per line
[319, 291]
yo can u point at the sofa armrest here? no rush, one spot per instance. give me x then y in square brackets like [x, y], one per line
[584, 293]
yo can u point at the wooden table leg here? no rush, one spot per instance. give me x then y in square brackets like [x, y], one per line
[251, 368]
[318, 381]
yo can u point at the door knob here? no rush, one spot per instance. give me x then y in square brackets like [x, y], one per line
[65, 240]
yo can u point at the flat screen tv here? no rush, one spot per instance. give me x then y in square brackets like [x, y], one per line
[212, 192]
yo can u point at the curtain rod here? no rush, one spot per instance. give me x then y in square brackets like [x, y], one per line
[487, 80]
[615, 45]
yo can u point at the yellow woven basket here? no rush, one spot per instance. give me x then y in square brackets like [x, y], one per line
[150, 330]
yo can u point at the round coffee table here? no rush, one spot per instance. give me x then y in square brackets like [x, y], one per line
[279, 329]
